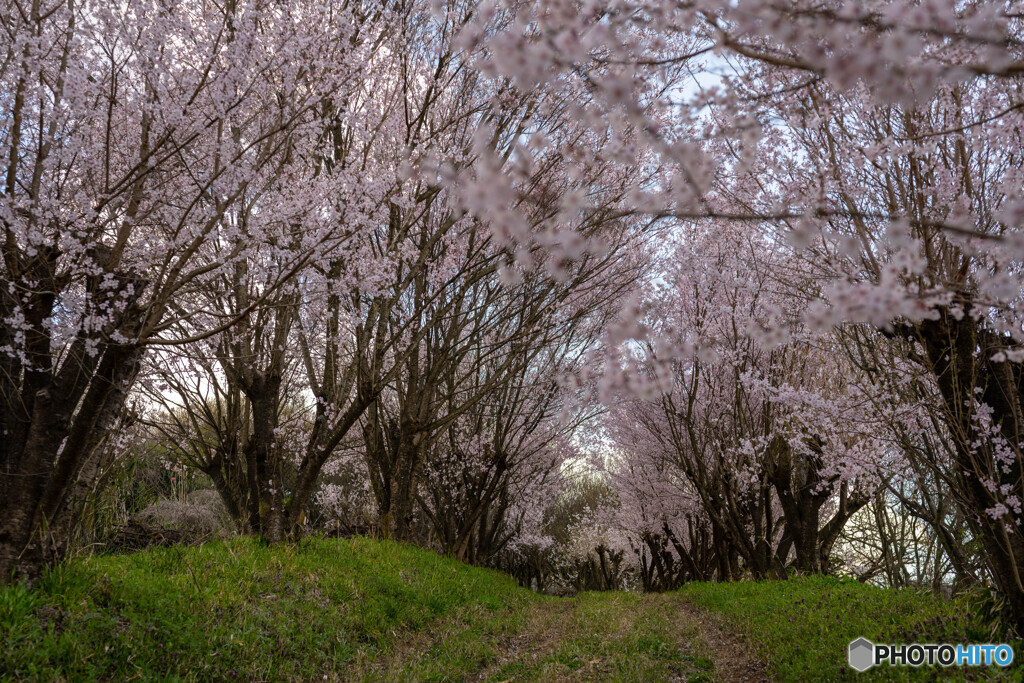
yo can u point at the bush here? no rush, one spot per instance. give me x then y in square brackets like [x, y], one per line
[201, 517]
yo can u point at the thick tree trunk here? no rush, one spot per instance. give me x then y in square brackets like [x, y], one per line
[802, 493]
[266, 478]
[231, 485]
[96, 458]
[318, 451]
[405, 478]
[68, 420]
[959, 353]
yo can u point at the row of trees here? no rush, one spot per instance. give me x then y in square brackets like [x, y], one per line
[407, 250]
[864, 162]
[225, 225]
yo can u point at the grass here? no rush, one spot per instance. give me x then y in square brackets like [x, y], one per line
[611, 636]
[360, 609]
[802, 627]
[236, 610]
[353, 609]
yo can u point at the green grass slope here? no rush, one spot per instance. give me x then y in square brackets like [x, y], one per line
[801, 628]
[237, 610]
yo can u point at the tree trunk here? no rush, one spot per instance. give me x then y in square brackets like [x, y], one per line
[959, 354]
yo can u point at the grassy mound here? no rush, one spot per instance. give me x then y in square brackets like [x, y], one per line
[236, 610]
[802, 627]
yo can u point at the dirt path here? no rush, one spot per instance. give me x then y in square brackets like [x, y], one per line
[538, 638]
[732, 658]
[621, 636]
[613, 636]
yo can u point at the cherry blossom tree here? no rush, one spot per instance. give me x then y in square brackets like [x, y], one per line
[762, 435]
[662, 518]
[884, 134]
[951, 293]
[377, 321]
[509, 415]
[139, 144]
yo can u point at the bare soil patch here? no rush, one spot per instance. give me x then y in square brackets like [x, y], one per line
[731, 655]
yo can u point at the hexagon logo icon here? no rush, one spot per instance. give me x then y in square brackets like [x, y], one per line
[862, 654]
